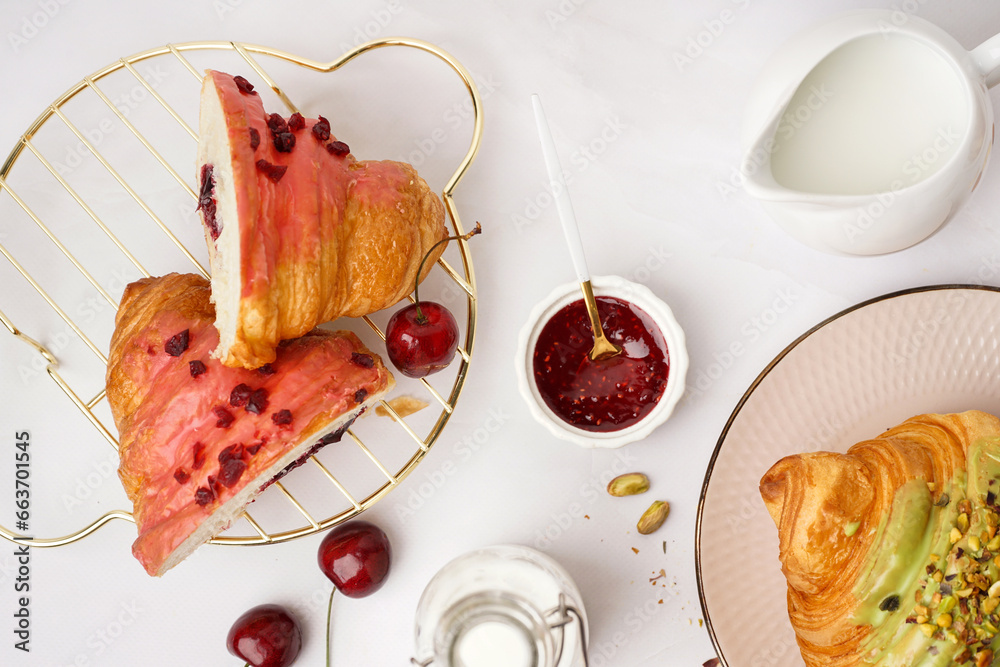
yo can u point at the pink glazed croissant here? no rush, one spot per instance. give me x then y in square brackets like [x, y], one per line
[299, 231]
[199, 440]
[891, 550]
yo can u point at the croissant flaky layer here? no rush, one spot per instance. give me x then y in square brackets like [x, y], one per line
[199, 440]
[891, 551]
[299, 231]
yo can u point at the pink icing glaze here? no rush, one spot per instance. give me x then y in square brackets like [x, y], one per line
[292, 217]
[314, 379]
[300, 196]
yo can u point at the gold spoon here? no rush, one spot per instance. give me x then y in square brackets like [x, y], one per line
[603, 348]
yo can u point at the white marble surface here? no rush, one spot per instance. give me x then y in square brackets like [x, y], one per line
[651, 143]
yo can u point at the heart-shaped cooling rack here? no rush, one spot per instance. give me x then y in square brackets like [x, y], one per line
[100, 190]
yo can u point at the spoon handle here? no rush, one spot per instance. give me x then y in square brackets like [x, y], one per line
[561, 193]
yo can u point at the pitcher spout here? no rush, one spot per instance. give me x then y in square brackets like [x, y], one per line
[757, 173]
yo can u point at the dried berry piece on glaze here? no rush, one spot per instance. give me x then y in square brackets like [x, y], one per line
[182, 476]
[225, 417]
[203, 496]
[363, 360]
[177, 343]
[282, 417]
[338, 148]
[254, 137]
[276, 124]
[284, 142]
[257, 402]
[321, 129]
[272, 171]
[245, 86]
[231, 471]
[296, 122]
[240, 394]
[199, 456]
[197, 367]
[215, 485]
[231, 452]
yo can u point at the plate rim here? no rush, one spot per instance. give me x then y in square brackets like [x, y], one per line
[710, 627]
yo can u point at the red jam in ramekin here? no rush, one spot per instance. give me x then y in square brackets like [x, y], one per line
[607, 395]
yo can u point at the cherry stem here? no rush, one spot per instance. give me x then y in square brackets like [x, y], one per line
[421, 319]
[329, 629]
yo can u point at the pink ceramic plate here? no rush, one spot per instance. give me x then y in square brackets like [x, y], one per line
[930, 349]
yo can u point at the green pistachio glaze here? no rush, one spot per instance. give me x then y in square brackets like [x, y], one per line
[914, 540]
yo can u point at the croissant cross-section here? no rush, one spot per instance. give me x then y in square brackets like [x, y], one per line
[299, 232]
[199, 440]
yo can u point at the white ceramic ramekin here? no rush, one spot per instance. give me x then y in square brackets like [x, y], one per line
[612, 286]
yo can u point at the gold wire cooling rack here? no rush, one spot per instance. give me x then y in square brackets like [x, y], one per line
[462, 282]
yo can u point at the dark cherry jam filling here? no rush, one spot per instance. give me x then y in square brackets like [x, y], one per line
[607, 395]
[327, 439]
[206, 201]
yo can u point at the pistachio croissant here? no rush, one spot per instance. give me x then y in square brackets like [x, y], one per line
[891, 551]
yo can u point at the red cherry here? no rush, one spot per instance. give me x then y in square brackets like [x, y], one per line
[421, 339]
[355, 556]
[265, 636]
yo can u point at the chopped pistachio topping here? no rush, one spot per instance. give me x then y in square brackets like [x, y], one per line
[958, 599]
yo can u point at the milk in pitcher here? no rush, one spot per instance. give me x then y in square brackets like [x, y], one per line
[879, 113]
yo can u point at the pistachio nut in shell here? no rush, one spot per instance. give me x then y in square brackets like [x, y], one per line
[653, 517]
[629, 484]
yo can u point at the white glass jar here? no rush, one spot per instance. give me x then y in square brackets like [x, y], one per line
[502, 606]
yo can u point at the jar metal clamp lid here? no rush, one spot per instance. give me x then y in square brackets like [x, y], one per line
[505, 605]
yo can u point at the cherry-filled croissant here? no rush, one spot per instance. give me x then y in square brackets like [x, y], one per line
[199, 440]
[891, 551]
[299, 232]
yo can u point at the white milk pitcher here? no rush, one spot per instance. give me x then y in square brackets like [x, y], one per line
[866, 133]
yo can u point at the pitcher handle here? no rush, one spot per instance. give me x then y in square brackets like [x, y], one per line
[987, 58]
